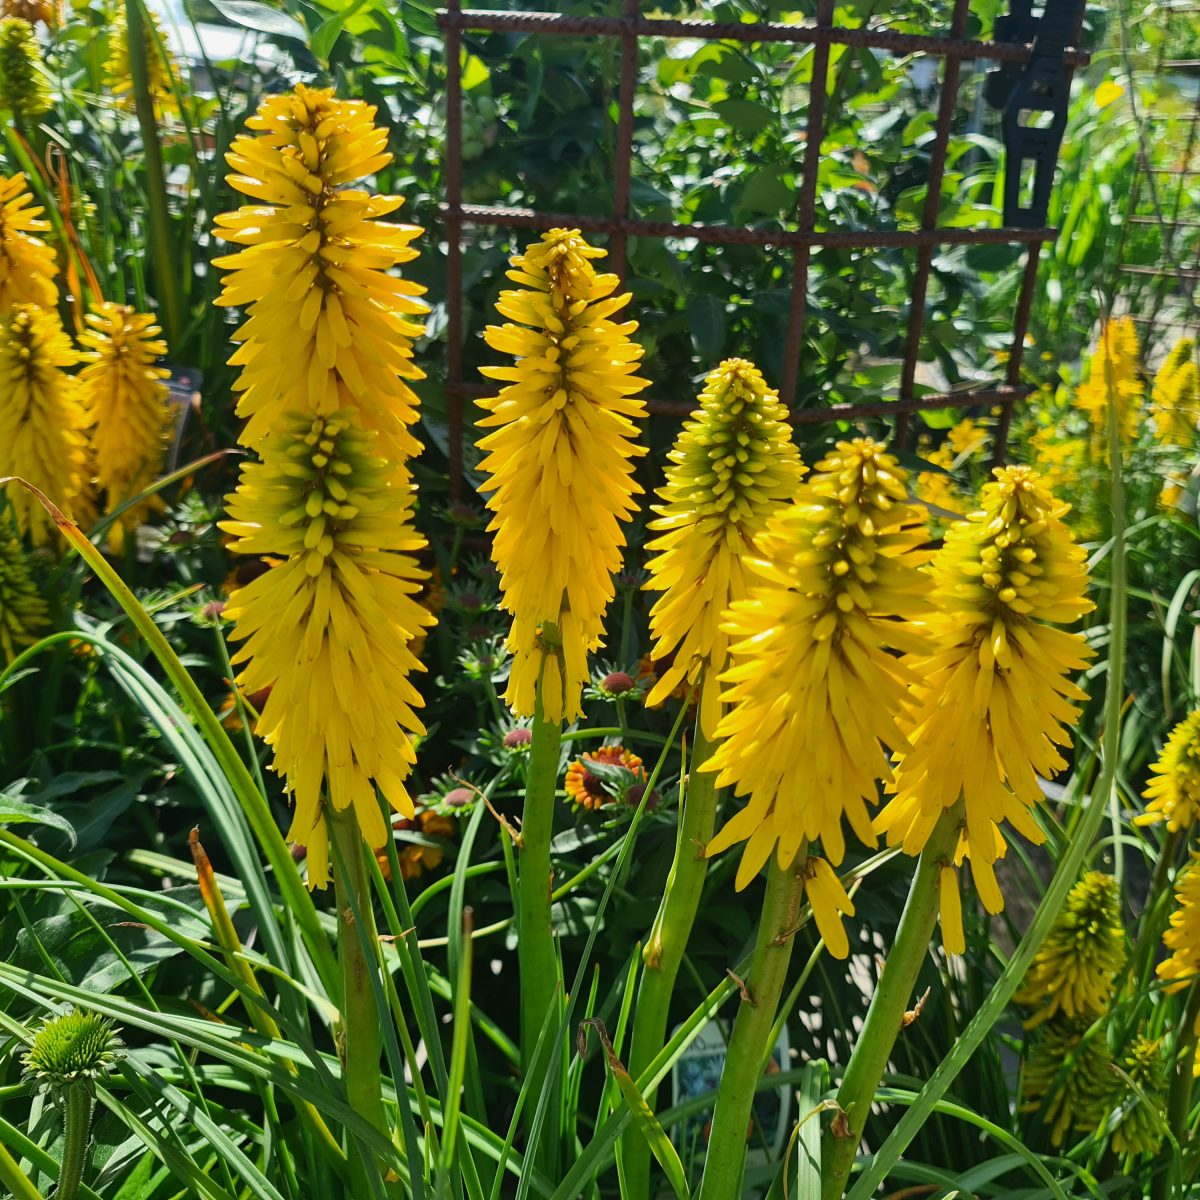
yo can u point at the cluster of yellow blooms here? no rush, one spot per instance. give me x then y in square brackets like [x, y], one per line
[326, 358]
[1114, 381]
[24, 91]
[70, 434]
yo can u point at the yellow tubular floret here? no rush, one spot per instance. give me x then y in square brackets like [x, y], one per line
[992, 700]
[733, 464]
[330, 325]
[27, 264]
[329, 630]
[559, 463]
[839, 582]
[41, 419]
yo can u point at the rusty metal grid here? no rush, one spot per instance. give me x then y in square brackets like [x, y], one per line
[631, 26]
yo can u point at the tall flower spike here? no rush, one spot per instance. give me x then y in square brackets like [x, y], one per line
[1175, 396]
[733, 464]
[330, 325]
[1142, 1107]
[125, 399]
[839, 578]
[559, 463]
[329, 630]
[1069, 1078]
[1113, 378]
[1075, 970]
[993, 697]
[41, 419]
[27, 264]
[1174, 792]
[156, 54]
[23, 88]
[24, 614]
[1182, 938]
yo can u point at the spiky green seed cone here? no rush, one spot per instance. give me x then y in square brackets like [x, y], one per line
[1139, 1129]
[75, 1048]
[1068, 1079]
[23, 88]
[24, 614]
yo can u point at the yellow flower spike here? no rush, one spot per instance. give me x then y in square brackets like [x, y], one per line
[1175, 396]
[1075, 969]
[950, 912]
[839, 583]
[1069, 1079]
[559, 463]
[27, 264]
[1174, 792]
[329, 629]
[41, 419]
[1182, 937]
[24, 613]
[23, 88]
[1113, 377]
[734, 463]
[993, 698]
[160, 62]
[330, 325]
[934, 488]
[125, 399]
[829, 902]
[1142, 1108]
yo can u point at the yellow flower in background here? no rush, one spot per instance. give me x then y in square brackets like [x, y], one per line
[1107, 92]
[48, 12]
[559, 465]
[994, 696]
[1113, 378]
[733, 464]
[816, 688]
[935, 488]
[1075, 969]
[125, 399]
[27, 264]
[161, 66]
[23, 88]
[329, 630]
[330, 326]
[967, 437]
[1175, 396]
[1142, 1114]
[1174, 792]
[41, 419]
[24, 613]
[1068, 1079]
[1182, 938]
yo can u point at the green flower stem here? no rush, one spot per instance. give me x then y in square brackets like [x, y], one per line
[750, 1044]
[166, 284]
[666, 945]
[1179, 1099]
[362, 1039]
[15, 1179]
[77, 1124]
[893, 994]
[535, 942]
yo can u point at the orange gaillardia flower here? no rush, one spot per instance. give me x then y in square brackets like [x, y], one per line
[41, 418]
[329, 629]
[733, 464]
[586, 789]
[125, 399]
[330, 325]
[839, 580]
[993, 697]
[559, 464]
[27, 264]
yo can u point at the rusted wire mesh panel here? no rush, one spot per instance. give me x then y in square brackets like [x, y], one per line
[951, 46]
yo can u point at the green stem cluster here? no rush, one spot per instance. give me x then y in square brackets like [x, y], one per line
[666, 945]
[750, 1044]
[893, 994]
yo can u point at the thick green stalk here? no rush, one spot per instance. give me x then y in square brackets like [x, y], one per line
[1179, 1099]
[750, 1044]
[77, 1124]
[15, 1179]
[893, 994]
[666, 945]
[166, 282]
[538, 959]
[362, 1039]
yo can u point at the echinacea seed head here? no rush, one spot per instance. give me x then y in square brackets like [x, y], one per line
[74, 1048]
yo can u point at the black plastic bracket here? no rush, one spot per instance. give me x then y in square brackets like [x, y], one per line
[1034, 99]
